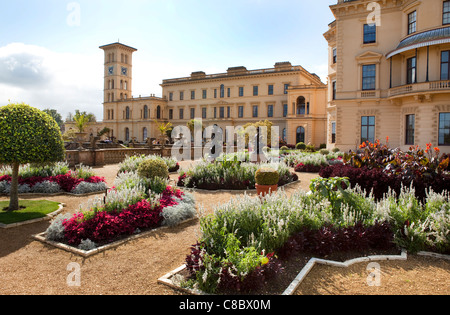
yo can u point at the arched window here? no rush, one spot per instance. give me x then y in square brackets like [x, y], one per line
[121, 84]
[125, 86]
[301, 106]
[158, 112]
[145, 112]
[126, 59]
[301, 134]
[127, 113]
[144, 134]
[222, 91]
[127, 134]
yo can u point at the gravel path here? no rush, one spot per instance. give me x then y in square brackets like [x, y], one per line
[30, 267]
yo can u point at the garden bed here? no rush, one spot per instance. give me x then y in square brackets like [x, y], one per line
[53, 179]
[140, 201]
[230, 175]
[295, 269]
[42, 237]
[245, 243]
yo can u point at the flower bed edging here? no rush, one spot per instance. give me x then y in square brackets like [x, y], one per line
[167, 279]
[41, 237]
[305, 271]
[46, 218]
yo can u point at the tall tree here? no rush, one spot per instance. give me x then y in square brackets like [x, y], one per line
[27, 135]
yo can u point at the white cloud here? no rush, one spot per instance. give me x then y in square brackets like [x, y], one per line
[47, 79]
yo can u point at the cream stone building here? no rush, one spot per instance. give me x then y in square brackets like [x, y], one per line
[389, 73]
[289, 96]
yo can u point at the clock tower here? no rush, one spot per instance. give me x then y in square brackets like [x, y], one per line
[118, 73]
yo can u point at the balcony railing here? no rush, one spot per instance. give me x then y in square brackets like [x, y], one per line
[420, 87]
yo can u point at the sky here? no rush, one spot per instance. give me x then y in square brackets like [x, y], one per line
[50, 56]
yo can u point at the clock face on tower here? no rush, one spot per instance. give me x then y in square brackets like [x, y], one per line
[124, 71]
[111, 70]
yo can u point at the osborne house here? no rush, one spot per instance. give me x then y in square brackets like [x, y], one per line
[289, 96]
[389, 73]
[388, 78]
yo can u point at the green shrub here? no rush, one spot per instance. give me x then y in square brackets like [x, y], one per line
[310, 148]
[324, 151]
[323, 146]
[336, 150]
[267, 176]
[300, 146]
[153, 168]
[284, 148]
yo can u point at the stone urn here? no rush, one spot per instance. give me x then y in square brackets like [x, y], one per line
[80, 138]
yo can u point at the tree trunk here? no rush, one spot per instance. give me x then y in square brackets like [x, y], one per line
[14, 194]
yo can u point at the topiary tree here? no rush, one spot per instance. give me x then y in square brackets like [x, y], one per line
[153, 168]
[27, 135]
[267, 176]
[300, 146]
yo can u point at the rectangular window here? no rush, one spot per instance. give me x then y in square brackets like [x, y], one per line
[192, 113]
[222, 112]
[215, 112]
[204, 94]
[286, 87]
[181, 96]
[270, 90]
[334, 55]
[181, 113]
[170, 113]
[241, 111]
[445, 65]
[412, 22]
[170, 96]
[369, 77]
[270, 111]
[215, 93]
[370, 33]
[368, 129]
[411, 70]
[333, 132]
[192, 95]
[229, 92]
[204, 112]
[241, 91]
[334, 90]
[285, 110]
[228, 112]
[444, 129]
[446, 15]
[255, 90]
[410, 129]
[255, 111]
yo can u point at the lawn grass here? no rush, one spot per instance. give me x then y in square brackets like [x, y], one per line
[32, 210]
